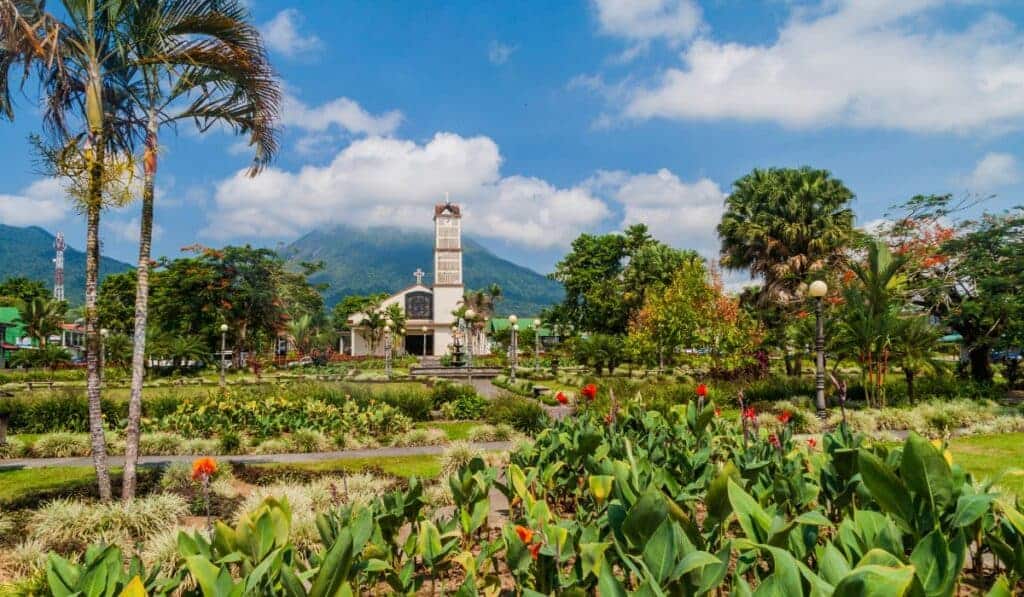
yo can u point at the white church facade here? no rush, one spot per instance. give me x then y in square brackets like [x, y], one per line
[428, 309]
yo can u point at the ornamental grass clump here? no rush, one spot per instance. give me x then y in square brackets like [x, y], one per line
[421, 436]
[70, 525]
[61, 445]
[309, 440]
[14, 448]
[458, 455]
[161, 443]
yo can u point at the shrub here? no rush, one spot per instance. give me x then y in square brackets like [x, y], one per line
[309, 440]
[229, 443]
[200, 447]
[66, 525]
[61, 445]
[491, 433]
[456, 456]
[522, 414]
[415, 405]
[421, 437]
[273, 446]
[14, 448]
[446, 391]
[26, 558]
[161, 444]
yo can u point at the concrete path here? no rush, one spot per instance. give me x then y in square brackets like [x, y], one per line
[23, 463]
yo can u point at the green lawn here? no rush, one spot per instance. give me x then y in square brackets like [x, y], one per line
[19, 484]
[422, 466]
[989, 456]
[455, 430]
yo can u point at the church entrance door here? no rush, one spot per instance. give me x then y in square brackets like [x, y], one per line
[415, 344]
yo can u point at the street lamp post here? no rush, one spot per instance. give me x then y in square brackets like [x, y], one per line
[818, 290]
[467, 324]
[387, 349]
[513, 356]
[424, 329]
[536, 345]
[3, 338]
[223, 351]
[104, 333]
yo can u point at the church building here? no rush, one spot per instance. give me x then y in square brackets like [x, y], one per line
[428, 309]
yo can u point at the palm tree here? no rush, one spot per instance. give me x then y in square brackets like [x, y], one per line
[78, 60]
[782, 224]
[197, 60]
[182, 350]
[302, 333]
[41, 318]
[914, 343]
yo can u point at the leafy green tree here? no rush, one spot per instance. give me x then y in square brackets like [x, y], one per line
[352, 304]
[607, 276]
[914, 342]
[782, 224]
[116, 302]
[117, 350]
[19, 290]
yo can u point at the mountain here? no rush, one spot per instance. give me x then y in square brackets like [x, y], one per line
[382, 259]
[29, 252]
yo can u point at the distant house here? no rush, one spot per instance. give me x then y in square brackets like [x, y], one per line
[72, 338]
[14, 337]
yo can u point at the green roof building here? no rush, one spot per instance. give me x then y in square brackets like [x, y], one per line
[14, 329]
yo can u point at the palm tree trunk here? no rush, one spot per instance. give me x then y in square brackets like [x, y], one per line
[908, 373]
[92, 332]
[131, 452]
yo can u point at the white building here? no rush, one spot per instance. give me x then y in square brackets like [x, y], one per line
[428, 309]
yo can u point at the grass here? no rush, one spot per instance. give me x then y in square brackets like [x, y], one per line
[455, 430]
[17, 485]
[989, 456]
[422, 466]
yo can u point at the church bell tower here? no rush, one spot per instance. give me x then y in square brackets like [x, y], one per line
[448, 284]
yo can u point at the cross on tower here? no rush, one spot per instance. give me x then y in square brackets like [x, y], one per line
[419, 273]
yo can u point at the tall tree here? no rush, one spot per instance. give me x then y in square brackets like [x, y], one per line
[606, 277]
[18, 290]
[83, 87]
[782, 224]
[199, 60]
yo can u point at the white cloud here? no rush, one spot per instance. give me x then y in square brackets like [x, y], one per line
[863, 63]
[644, 20]
[282, 34]
[993, 171]
[42, 202]
[340, 112]
[499, 53]
[681, 214]
[380, 180]
[128, 230]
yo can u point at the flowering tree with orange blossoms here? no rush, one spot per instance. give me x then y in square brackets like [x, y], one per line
[694, 312]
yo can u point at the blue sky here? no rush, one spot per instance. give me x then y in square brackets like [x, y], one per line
[547, 119]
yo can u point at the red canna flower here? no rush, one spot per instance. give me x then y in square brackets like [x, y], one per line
[608, 418]
[718, 412]
[561, 398]
[534, 550]
[749, 413]
[702, 390]
[203, 469]
[774, 440]
[784, 417]
[812, 443]
[589, 391]
[525, 534]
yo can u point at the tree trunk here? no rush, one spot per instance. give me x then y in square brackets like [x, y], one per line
[92, 332]
[909, 374]
[131, 451]
[981, 366]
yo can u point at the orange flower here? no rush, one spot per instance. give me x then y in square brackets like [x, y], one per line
[702, 390]
[812, 443]
[525, 534]
[203, 468]
[534, 550]
[589, 391]
[784, 417]
[561, 398]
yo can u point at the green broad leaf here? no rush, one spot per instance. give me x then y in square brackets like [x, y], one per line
[334, 569]
[717, 497]
[659, 553]
[1001, 588]
[467, 588]
[607, 584]
[879, 557]
[832, 564]
[695, 560]
[254, 579]
[969, 508]
[429, 545]
[644, 517]
[517, 480]
[209, 577]
[291, 583]
[933, 562]
[600, 487]
[756, 523]
[376, 565]
[813, 518]
[879, 581]
[61, 575]
[785, 578]
[884, 486]
[592, 558]
[926, 472]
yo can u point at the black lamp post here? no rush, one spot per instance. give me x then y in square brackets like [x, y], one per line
[818, 290]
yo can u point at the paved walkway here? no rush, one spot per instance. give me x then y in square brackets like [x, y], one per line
[22, 463]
